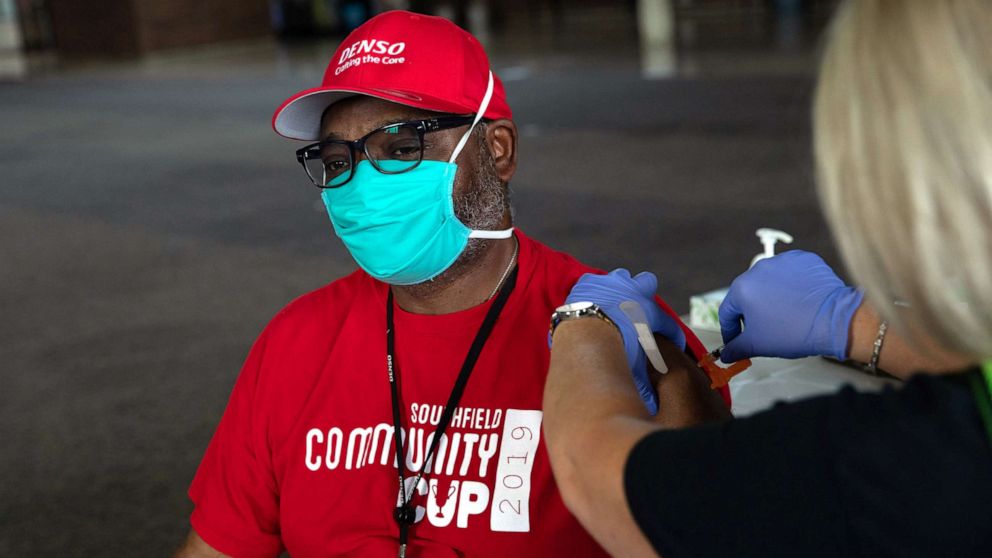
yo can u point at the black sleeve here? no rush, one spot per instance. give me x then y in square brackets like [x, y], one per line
[897, 473]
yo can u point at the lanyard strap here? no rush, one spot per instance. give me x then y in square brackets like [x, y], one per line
[405, 514]
[981, 385]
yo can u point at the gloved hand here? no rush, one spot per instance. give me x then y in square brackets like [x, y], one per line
[611, 290]
[793, 305]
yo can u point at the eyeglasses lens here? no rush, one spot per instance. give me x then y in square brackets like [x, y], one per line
[391, 150]
[395, 149]
[328, 165]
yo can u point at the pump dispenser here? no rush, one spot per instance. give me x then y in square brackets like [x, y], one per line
[768, 238]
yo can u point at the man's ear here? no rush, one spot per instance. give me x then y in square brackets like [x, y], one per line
[501, 136]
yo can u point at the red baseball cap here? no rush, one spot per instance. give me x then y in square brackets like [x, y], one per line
[416, 60]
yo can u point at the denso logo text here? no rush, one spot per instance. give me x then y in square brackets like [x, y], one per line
[371, 46]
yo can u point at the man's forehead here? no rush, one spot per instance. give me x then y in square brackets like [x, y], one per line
[357, 115]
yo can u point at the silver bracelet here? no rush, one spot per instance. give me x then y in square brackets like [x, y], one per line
[872, 367]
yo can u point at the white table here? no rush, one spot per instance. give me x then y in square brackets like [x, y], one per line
[770, 380]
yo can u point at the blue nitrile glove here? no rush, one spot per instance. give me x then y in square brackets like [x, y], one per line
[611, 290]
[793, 305]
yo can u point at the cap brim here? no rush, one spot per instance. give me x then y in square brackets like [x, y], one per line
[299, 116]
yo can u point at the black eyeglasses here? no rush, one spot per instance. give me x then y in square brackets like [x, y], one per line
[392, 149]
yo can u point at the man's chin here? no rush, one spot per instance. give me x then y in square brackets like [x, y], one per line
[466, 261]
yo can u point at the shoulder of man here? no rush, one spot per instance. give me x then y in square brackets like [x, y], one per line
[294, 342]
[323, 307]
[288, 356]
[560, 267]
[562, 271]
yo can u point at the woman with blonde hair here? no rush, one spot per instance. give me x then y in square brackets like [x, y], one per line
[903, 145]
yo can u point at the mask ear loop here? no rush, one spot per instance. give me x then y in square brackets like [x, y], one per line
[461, 144]
[478, 116]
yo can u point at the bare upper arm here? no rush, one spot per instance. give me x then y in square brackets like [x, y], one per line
[594, 418]
[196, 547]
[589, 403]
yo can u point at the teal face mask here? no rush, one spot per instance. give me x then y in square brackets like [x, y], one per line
[402, 228]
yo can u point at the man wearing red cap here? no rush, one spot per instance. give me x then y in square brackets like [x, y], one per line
[396, 411]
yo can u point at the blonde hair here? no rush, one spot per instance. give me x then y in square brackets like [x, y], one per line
[903, 143]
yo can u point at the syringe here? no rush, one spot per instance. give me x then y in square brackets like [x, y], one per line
[720, 376]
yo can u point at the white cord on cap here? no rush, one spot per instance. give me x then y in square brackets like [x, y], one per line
[478, 116]
[506, 233]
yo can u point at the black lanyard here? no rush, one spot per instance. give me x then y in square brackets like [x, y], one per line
[405, 514]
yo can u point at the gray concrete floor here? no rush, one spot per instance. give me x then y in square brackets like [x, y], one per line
[151, 223]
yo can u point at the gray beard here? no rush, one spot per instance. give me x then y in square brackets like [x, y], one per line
[481, 208]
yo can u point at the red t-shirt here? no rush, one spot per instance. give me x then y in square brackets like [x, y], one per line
[304, 458]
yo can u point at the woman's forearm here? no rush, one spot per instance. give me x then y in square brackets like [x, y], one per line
[897, 357]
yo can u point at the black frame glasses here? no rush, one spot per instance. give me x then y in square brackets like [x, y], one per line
[314, 151]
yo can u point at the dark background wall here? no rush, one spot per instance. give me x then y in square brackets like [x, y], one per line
[87, 28]
[133, 27]
[172, 23]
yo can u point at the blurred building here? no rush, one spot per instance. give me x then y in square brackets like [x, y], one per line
[86, 28]
[134, 27]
